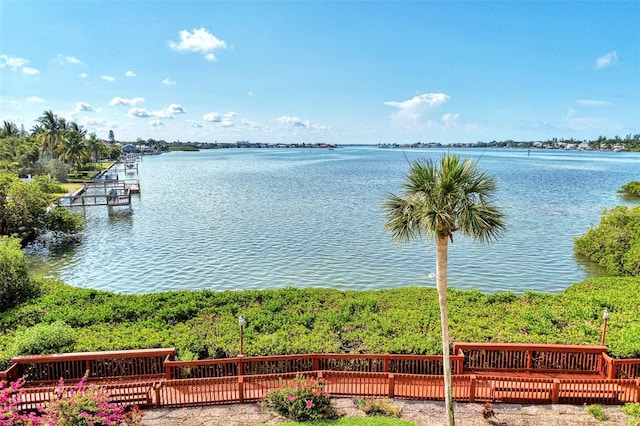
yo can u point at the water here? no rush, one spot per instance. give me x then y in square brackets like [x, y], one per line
[253, 219]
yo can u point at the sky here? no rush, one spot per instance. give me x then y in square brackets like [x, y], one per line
[344, 72]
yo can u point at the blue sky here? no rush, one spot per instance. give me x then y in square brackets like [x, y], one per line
[338, 72]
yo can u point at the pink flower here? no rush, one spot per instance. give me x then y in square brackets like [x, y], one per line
[291, 398]
[309, 403]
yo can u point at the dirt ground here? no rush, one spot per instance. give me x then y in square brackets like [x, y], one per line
[422, 413]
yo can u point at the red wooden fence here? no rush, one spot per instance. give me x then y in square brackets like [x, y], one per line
[481, 372]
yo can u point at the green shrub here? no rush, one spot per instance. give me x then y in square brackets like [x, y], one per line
[48, 184]
[615, 243]
[597, 412]
[632, 409]
[16, 285]
[632, 189]
[44, 339]
[378, 407]
[64, 223]
[300, 399]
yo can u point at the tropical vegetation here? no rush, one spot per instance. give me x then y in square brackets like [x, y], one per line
[26, 213]
[439, 199]
[632, 189]
[56, 317]
[615, 242]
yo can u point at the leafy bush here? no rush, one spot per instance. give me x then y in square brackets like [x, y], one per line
[632, 409]
[300, 399]
[615, 243]
[597, 412]
[632, 189]
[48, 184]
[44, 339]
[16, 285]
[378, 407]
[64, 223]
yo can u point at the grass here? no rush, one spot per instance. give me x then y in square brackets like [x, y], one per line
[204, 324]
[356, 421]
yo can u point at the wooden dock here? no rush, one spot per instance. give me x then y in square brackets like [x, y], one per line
[110, 193]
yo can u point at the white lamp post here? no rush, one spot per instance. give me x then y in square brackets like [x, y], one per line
[605, 317]
[241, 324]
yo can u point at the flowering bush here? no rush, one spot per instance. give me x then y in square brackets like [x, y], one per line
[301, 399]
[9, 400]
[79, 406]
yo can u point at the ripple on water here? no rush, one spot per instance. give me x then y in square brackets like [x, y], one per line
[255, 219]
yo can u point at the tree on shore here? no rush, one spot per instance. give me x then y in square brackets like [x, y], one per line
[440, 198]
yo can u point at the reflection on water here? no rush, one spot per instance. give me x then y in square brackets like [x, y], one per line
[251, 219]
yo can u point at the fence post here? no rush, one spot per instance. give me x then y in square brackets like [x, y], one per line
[241, 389]
[392, 383]
[167, 370]
[638, 390]
[315, 363]
[156, 389]
[87, 368]
[529, 359]
[385, 364]
[612, 369]
[240, 365]
[472, 389]
[555, 393]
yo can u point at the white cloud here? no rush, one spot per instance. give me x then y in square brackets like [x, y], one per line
[212, 117]
[84, 107]
[167, 112]
[95, 122]
[429, 99]
[123, 101]
[15, 63]
[30, 71]
[83, 75]
[449, 120]
[12, 62]
[297, 123]
[606, 61]
[158, 123]
[66, 59]
[108, 78]
[251, 124]
[175, 109]
[200, 41]
[194, 123]
[139, 112]
[410, 113]
[35, 100]
[226, 123]
[230, 114]
[130, 74]
[591, 102]
[168, 82]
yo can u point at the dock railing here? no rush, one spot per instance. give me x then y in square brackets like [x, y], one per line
[107, 365]
[546, 358]
[516, 373]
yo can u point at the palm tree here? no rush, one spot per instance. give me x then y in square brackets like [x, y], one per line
[9, 129]
[93, 148]
[48, 132]
[439, 199]
[73, 143]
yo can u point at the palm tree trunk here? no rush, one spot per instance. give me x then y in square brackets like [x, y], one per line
[442, 243]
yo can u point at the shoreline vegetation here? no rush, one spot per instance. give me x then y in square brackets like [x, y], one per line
[204, 324]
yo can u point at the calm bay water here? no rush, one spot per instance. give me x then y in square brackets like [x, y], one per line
[238, 219]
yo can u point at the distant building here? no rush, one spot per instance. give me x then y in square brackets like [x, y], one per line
[129, 149]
